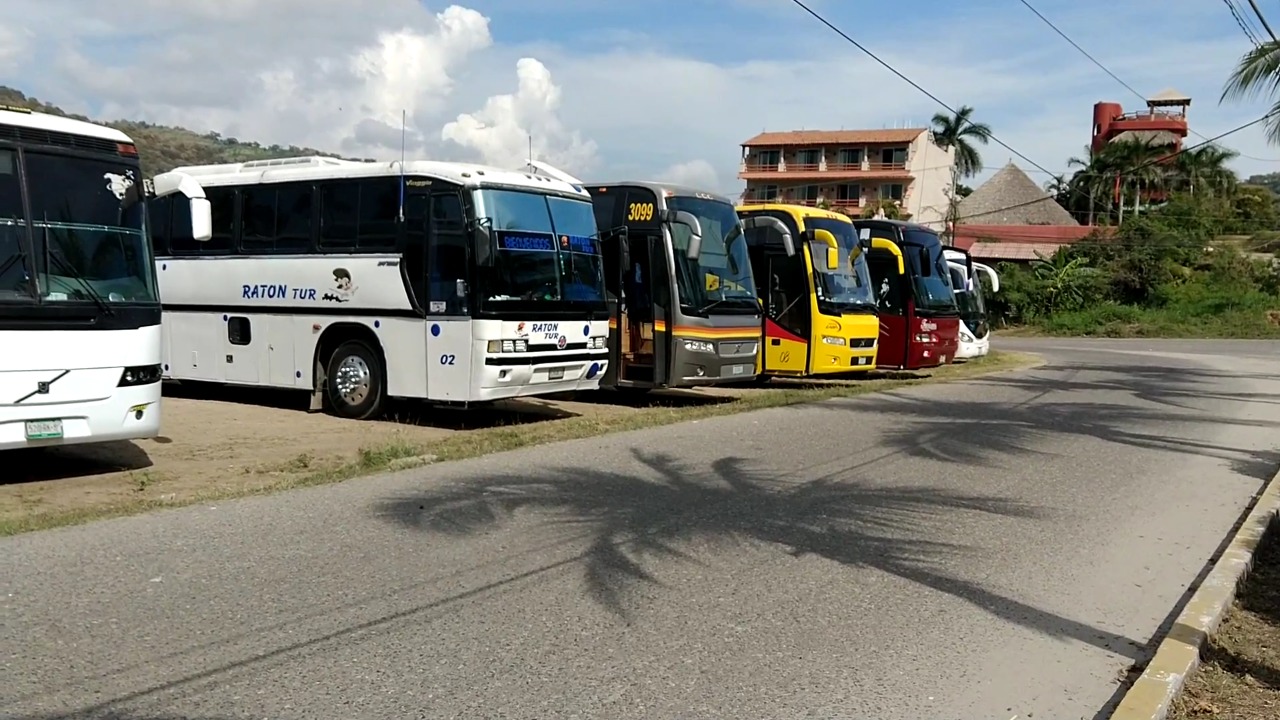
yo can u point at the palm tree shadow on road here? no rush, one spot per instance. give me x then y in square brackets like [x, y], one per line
[636, 523]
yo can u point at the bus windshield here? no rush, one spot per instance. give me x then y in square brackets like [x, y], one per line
[848, 287]
[969, 302]
[89, 241]
[930, 274]
[720, 278]
[548, 249]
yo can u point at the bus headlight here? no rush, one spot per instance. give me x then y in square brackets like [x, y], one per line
[597, 343]
[506, 346]
[139, 375]
[966, 337]
[832, 340]
[699, 346]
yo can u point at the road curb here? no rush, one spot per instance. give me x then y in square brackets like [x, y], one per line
[1178, 655]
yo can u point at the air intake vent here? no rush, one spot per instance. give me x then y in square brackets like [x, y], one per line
[36, 136]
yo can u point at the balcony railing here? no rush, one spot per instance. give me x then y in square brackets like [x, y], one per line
[831, 167]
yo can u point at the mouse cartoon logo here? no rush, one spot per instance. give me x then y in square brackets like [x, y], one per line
[343, 289]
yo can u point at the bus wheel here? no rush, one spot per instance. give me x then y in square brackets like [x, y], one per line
[355, 385]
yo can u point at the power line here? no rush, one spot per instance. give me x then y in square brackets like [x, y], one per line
[1126, 85]
[1256, 11]
[1244, 26]
[935, 98]
[908, 80]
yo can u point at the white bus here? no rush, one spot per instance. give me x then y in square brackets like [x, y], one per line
[975, 323]
[79, 308]
[360, 281]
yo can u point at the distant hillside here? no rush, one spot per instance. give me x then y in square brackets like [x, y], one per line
[1271, 181]
[162, 147]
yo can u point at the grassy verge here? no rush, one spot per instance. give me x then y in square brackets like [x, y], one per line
[1240, 675]
[398, 453]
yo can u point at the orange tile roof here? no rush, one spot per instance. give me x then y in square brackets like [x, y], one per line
[833, 137]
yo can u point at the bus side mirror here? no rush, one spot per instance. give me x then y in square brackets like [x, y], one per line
[824, 237]
[925, 269]
[689, 220]
[621, 236]
[764, 222]
[483, 243]
[201, 219]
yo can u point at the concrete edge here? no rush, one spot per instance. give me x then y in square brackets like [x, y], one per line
[1151, 696]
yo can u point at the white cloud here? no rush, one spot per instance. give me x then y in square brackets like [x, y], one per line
[674, 105]
[503, 131]
[695, 173]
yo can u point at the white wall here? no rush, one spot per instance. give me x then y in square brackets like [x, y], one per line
[930, 167]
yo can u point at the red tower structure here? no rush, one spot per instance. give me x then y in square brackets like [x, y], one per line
[1164, 122]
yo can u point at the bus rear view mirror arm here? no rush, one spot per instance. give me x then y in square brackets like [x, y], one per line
[689, 220]
[764, 222]
[824, 237]
[169, 183]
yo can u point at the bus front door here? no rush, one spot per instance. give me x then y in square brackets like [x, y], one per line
[642, 317]
[786, 315]
[889, 278]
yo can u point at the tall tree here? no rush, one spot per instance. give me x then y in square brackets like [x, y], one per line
[960, 132]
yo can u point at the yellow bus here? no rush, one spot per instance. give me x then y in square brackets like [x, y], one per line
[819, 305]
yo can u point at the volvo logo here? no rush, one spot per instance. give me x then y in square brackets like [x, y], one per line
[42, 387]
[561, 342]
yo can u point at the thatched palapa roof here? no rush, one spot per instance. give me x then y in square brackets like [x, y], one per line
[1010, 197]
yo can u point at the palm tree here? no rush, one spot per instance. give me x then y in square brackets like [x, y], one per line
[959, 131]
[1258, 73]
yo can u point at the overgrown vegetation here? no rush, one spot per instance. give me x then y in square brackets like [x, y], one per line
[1194, 255]
[163, 148]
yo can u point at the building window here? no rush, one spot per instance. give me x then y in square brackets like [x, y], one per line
[769, 193]
[851, 156]
[893, 156]
[891, 191]
[809, 157]
[849, 192]
[768, 157]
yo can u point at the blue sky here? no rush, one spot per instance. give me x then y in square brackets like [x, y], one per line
[662, 88]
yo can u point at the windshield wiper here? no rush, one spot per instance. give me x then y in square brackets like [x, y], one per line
[69, 271]
[703, 310]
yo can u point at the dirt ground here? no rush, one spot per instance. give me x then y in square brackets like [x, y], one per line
[1240, 676]
[220, 437]
[225, 441]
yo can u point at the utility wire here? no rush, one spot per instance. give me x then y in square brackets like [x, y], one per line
[908, 80]
[1244, 26]
[1256, 11]
[1126, 85]
[912, 83]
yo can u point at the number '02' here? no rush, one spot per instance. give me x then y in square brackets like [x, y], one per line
[447, 359]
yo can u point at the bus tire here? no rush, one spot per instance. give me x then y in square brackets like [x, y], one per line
[355, 383]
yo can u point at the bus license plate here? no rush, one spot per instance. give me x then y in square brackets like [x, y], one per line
[44, 429]
[555, 374]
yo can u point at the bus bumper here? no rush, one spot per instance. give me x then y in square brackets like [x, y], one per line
[498, 382]
[695, 367]
[129, 413]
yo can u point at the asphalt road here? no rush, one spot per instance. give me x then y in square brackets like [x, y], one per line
[995, 548]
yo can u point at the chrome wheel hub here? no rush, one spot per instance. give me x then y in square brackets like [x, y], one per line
[352, 380]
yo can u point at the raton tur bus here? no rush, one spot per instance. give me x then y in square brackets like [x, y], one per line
[360, 281]
[79, 307]
[919, 319]
[975, 325]
[820, 310]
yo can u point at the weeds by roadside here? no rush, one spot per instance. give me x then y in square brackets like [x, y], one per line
[1240, 675]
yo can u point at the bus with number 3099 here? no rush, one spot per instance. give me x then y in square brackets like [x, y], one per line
[362, 281]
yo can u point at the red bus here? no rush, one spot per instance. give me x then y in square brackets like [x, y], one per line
[919, 318]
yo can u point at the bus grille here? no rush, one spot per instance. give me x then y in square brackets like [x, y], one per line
[862, 342]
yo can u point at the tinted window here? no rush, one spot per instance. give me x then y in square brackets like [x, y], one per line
[258, 217]
[447, 255]
[159, 221]
[379, 212]
[13, 269]
[339, 214]
[222, 203]
[293, 217]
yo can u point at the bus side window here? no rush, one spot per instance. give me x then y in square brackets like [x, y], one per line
[885, 281]
[339, 215]
[258, 218]
[446, 255]
[379, 213]
[293, 229]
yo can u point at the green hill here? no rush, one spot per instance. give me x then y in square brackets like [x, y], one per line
[162, 147]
